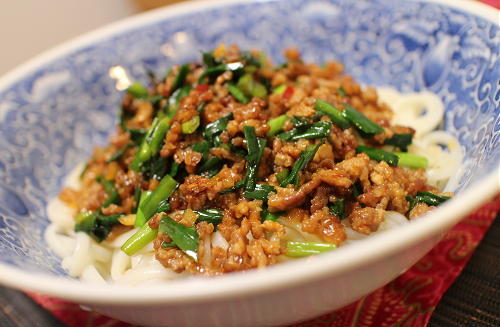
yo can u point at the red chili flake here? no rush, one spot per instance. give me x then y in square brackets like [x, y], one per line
[202, 88]
[288, 93]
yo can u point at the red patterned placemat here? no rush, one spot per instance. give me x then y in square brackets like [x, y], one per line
[409, 300]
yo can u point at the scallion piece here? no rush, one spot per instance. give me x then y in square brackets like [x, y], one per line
[261, 192]
[379, 155]
[151, 143]
[255, 148]
[162, 192]
[401, 141]
[280, 89]
[111, 191]
[307, 131]
[276, 124]
[140, 239]
[337, 208]
[282, 175]
[361, 122]
[215, 128]
[213, 216]
[140, 219]
[411, 160]
[180, 77]
[305, 156]
[191, 125]
[237, 93]
[186, 238]
[427, 198]
[273, 216]
[304, 249]
[137, 90]
[335, 115]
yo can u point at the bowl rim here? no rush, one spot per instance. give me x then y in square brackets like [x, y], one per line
[255, 281]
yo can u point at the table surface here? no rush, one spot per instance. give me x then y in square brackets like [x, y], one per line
[473, 300]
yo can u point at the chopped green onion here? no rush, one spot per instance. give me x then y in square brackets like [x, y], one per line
[237, 93]
[111, 191]
[276, 125]
[140, 219]
[95, 224]
[379, 155]
[282, 175]
[427, 198]
[273, 216]
[180, 78]
[118, 154]
[213, 216]
[214, 71]
[151, 143]
[250, 87]
[162, 192]
[186, 238]
[140, 239]
[137, 90]
[235, 187]
[400, 140]
[211, 167]
[280, 89]
[342, 92]
[191, 125]
[361, 122]
[411, 160]
[202, 147]
[209, 59]
[305, 156]
[304, 249]
[255, 148]
[261, 192]
[337, 208]
[215, 128]
[308, 131]
[335, 115]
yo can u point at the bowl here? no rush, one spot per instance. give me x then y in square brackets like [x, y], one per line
[56, 107]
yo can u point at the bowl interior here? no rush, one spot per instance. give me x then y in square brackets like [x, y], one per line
[52, 114]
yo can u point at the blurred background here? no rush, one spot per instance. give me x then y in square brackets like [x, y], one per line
[28, 27]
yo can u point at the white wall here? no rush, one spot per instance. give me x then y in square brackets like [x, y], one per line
[28, 27]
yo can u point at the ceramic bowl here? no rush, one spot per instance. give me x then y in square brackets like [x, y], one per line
[55, 108]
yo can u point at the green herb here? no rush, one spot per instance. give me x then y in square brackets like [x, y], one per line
[280, 89]
[214, 71]
[361, 122]
[305, 157]
[427, 198]
[180, 77]
[186, 238]
[411, 160]
[342, 92]
[307, 131]
[273, 216]
[140, 239]
[202, 147]
[211, 166]
[337, 208]
[276, 125]
[401, 141]
[379, 155]
[250, 87]
[261, 192]
[215, 128]
[95, 224]
[137, 90]
[162, 192]
[255, 148]
[304, 249]
[151, 143]
[111, 191]
[213, 216]
[237, 93]
[191, 125]
[335, 115]
[282, 175]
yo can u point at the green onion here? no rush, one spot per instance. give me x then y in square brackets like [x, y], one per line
[186, 238]
[191, 125]
[261, 192]
[214, 71]
[250, 87]
[180, 78]
[304, 249]
[162, 192]
[411, 160]
[213, 216]
[379, 155]
[308, 131]
[140, 219]
[202, 147]
[427, 198]
[255, 148]
[400, 140]
[95, 224]
[235, 187]
[151, 143]
[305, 156]
[211, 167]
[335, 115]
[237, 93]
[118, 154]
[280, 89]
[111, 191]
[337, 208]
[209, 59]
[282, 175]
[273, 216]
[276, 125]
[342, 92]
[361, 122]
[137, 90]
[215, 128]
[140, 239]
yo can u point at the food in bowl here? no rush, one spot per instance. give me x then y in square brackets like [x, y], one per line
[233, 164]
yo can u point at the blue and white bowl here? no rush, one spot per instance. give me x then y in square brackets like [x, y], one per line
[55, 108]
